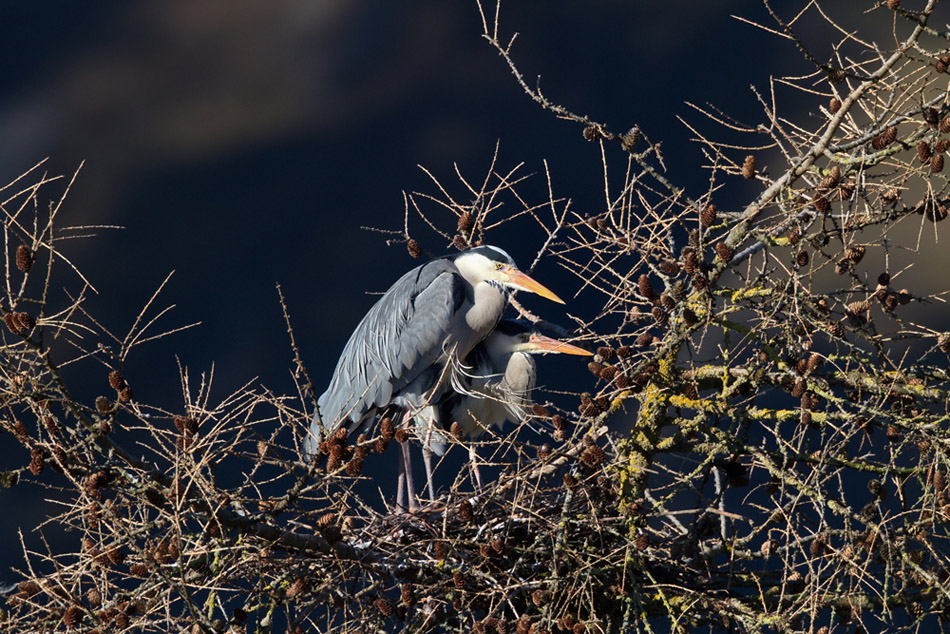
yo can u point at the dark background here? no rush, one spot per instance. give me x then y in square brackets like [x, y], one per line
[244, 144]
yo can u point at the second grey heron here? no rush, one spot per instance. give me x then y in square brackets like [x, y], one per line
[409, 346]
[502, 375]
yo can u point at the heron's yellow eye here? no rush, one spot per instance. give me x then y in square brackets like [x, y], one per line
[499, 265]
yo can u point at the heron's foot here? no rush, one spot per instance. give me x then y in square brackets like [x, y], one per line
[476, 472]
[401, 517]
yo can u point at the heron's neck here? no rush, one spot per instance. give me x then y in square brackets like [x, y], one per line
[520, 373]
[488, 304]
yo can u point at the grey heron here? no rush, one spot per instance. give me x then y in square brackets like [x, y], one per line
[502, 375]
[408, 349]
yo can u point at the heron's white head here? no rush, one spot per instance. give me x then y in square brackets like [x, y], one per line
[511, 336]
[491, 264]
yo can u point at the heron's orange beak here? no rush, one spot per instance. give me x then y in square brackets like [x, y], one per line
[540, 343]
[523, 282]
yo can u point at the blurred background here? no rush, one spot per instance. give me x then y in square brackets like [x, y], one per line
[245, 144]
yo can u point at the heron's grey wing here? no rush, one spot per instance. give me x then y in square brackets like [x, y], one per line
[399, 338]
[428, 323]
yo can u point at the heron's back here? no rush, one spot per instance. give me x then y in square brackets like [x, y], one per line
[400, 338]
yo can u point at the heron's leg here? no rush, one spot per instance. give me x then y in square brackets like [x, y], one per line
[401, 484]
[405, 462]
[427, 452]
[406, 467]
[473, 459]
[427, 459]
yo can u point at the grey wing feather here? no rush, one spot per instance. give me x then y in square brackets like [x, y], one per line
[400, 337]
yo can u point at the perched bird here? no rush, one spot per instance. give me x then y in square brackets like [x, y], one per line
[502, 375]
[408, 349]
